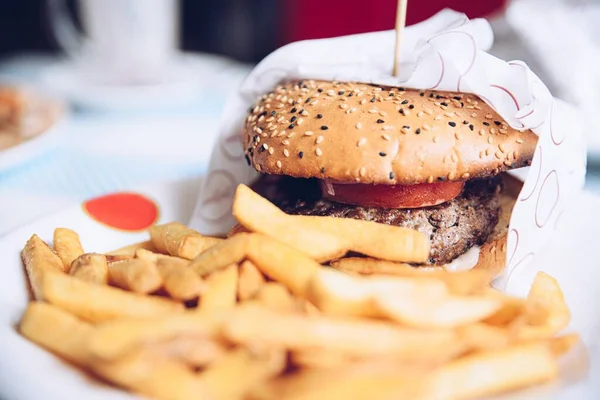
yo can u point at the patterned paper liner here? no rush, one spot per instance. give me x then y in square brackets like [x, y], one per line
[446, 52]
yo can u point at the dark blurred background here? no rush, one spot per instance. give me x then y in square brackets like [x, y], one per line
[246, 30]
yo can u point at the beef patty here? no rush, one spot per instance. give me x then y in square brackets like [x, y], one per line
[453, 227]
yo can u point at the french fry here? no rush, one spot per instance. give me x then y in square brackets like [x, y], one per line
[250, 281]
[253, 324]
[178, 240]
[115, 339]
[101, 303]
[239, 371]
[319, 359]
[116, 258]
[281, 262]
[493, 372]
[57, 330]
[461, 282]
[337, 293]
[563, 344]
[39, 258]
[67, 246]
[275, 296]
[512, 308]
[223, 254]
[91, 268]
[153, 257]
[546, 298]
[194, 351]
[67, 336]
[327, 238]
[481, 336]
[132, 248]
[221, 290]
[449, 312]
[135, 275]
[153, 376]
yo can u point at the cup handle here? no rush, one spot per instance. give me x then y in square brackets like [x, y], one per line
[66, 34]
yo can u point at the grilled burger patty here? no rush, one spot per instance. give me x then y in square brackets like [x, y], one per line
[453, 227]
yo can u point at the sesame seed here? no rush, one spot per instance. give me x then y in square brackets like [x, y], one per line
[451, 175]
[492, 130]
[457, 136]
[373, 111]
[454, 157]
[418, 131]
[318, 152]
[392, 176]
[481, 153]
[271, 150]
[426, 127]
[401, 110]
[498, 123]
[449, 114]
[320, 90]
[300, 121]
[482, 131]
[341, 92]
[436, 139]
[304, 113]
[428, 111]
[314, 103]
[473, 115]
[490, 140]
[319, 139]
[291, 126]
[363, 101]
[382, 154]
[343, 106]
[324, 127]
[430, 179]
[502, 148]
[471, 127]
[520, 141]
[383, 113]
[291, 135]
[258, 130]
[265, 146]
[358, 125]
[258, 167]
[373, 99]
[488, 151]
[278, 163]
[362, 171]
[361, 142]
[301, 154]
[437, 117]
[286, 152]
[489, 116]
[508, 163]
[293, 110]
[285, 142]
[498, 155]
[380, 121]
[515, 154]
[386, 137]
[351, 110]
[319, 116]
[406, 112]
[486, 123]
[504, 131]
[330, 93]
[280, 105]
[452, 124]
[410, 107]
[466, 175]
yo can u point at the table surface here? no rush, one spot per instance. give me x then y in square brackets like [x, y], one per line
[104, 152]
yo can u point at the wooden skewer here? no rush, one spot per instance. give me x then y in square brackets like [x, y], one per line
[400, 23]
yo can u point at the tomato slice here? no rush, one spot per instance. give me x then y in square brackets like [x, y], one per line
[394, 196]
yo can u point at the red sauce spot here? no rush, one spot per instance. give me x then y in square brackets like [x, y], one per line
[123, 211]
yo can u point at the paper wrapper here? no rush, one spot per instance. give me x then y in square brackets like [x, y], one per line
[446, 52]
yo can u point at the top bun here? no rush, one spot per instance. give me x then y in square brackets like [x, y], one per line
[354, 132]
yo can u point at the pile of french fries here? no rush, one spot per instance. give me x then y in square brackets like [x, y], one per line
[279, 312]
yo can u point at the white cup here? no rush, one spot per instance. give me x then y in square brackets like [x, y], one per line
[124, 42]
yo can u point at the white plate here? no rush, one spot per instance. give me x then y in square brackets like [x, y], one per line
[28, 372]
[37, 145]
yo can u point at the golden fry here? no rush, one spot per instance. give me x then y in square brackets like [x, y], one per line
[115, 339]
[39, 258]
[275, 296]
[57, 330]
[252, 324]
[135, 275]
[227, 252]
[493, 372]
[250, 280]
[67, 246]
[239, 371]
[132, 248]
[91, 268]
[461, 282]
[194, 351]
[100, 303]
[178, 240]
[327, 238]
[221, 290]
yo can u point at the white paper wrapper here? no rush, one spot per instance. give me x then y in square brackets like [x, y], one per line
[446, 52]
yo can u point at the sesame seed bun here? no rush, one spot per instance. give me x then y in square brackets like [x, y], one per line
[353, 132]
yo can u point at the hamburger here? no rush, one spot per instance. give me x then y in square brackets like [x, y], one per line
[422, 159]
